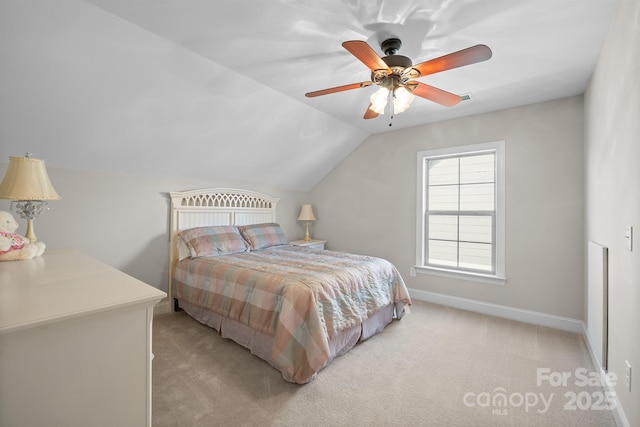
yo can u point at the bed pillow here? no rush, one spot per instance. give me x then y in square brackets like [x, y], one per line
[261, 236]
[183, 249]
[214, 241]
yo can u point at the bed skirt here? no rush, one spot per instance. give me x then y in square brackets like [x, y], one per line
[260, 344]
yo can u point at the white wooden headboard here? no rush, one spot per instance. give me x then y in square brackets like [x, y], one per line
[215, 206]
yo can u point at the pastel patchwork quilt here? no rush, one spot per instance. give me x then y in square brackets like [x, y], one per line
[300, 297]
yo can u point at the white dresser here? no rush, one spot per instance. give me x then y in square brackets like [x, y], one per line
[75, 343]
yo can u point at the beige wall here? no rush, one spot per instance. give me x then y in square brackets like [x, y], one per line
[123, 220]
[612, 173]
[367, 204]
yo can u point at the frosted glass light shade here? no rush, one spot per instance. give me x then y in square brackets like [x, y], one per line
[379, 100]
[402, 99]
[27, 179]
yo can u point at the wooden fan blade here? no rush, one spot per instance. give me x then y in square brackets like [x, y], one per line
[364, 53]
[370, 114]
[337, 89]
[457, 59]
[434, 94]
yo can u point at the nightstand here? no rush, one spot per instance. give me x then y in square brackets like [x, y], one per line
[314, 244]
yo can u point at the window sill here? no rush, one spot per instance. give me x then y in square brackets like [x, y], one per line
[463, 275]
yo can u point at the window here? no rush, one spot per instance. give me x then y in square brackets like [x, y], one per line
[460, 212]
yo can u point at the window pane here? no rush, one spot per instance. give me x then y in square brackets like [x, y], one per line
[476, 229]
[443, 253]
[475, 256]
[460, 203]
[477, 197]
[475, 169]
[443, 198]
[443, 171]
[444, 227]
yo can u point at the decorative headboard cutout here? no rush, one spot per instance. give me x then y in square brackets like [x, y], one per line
[225, 200]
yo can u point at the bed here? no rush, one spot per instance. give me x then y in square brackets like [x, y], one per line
[232, 268]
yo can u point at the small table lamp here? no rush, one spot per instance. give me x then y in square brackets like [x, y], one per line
[27, 184]
[306, 214]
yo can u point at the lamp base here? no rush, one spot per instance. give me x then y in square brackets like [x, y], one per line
[307, 238]
[30, 234]
[29, 209]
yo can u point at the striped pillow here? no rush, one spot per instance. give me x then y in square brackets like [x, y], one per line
[261, 236]
[214, 241]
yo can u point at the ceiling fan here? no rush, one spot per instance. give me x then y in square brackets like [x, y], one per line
[395, 75]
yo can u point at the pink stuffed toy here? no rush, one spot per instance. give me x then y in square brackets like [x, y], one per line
[13, 246]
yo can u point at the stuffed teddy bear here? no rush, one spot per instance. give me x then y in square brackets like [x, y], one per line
[13, 246]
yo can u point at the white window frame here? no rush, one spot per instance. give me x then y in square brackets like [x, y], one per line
[495, 278]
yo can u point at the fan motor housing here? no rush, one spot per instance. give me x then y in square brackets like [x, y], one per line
[394, 61]
[391, 46]
[397, 61]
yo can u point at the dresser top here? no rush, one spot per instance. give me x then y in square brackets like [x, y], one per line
[63, 284]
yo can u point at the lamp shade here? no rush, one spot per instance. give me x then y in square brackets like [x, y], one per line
[27, 179]
[306, 213]
[379, 100]
[402, 99]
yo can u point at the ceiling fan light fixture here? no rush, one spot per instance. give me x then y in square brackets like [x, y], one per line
[395, 75]
[402, 99]
[379, 100]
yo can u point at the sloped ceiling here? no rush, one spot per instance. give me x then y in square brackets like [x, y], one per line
[215, 89]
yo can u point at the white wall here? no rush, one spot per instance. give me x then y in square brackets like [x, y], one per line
[123, 220]
[367, 204]
[612, 175]
[87, 90]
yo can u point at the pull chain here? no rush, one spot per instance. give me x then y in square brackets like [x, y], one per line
[392, 96]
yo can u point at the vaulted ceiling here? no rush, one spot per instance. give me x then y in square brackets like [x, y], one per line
[215, 89]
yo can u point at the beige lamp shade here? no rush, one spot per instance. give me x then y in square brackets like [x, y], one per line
[306, 213]
[27, 179]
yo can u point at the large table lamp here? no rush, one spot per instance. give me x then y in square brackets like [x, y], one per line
[27, 185]
[306, 215]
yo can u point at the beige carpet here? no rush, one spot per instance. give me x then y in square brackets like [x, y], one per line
[437, 367]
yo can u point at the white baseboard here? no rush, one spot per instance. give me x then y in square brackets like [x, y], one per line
[618, 412]
[527, 316]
